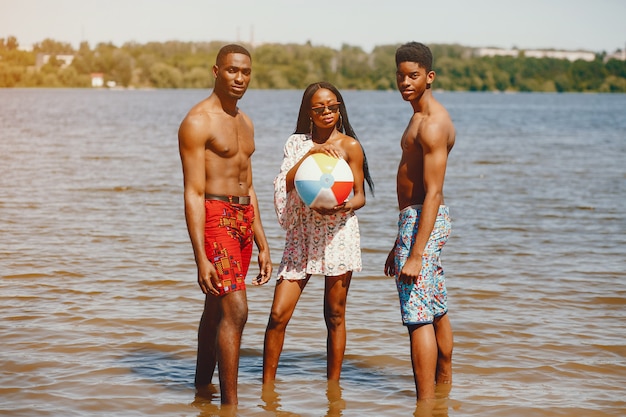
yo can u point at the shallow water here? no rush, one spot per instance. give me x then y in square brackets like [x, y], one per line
[99, 303]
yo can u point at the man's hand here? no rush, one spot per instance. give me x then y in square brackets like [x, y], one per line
[265, 267]
[208, 279]
[411, 270]
[390, 264]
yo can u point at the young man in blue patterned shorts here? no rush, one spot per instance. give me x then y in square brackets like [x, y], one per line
[424, 224]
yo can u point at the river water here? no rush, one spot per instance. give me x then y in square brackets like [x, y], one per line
[99, 303]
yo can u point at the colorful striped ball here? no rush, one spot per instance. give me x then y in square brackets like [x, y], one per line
[323, 181]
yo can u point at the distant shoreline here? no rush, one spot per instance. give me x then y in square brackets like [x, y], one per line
[183, 65]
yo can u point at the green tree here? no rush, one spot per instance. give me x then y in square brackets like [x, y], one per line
[52, 47]
[616, 68]
[587, 76]
[69, 77]
[165, 76]
[383, 67]
[122, 69]
[353, 67]
[10, 75]
[198, 77]
[84, 60]
[9, 44]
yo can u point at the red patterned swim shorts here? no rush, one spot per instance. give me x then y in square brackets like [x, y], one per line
[228, 240]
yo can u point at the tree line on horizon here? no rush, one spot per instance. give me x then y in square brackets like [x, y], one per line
[176, 64]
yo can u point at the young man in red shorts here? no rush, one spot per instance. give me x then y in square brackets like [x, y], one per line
[216, 141]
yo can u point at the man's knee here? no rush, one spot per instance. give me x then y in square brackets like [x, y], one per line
[234, 309]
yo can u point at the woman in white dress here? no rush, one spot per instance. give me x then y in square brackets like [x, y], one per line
[318, 241]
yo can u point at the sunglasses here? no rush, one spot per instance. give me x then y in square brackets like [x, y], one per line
[332, 107]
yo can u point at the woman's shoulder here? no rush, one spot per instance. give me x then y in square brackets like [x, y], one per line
[299, 137]
[347, 142]
[350, 146]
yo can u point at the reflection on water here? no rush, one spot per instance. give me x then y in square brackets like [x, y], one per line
[99, 303]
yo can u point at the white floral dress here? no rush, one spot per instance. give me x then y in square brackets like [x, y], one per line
[314, 243]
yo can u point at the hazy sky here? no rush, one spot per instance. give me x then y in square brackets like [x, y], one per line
[598, 25]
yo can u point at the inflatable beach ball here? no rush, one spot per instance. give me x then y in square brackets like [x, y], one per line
[323, 181]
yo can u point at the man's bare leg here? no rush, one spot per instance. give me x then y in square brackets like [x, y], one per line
[234, 311]
[286, 296]
[207, 332]
[445, 342]
[335, 296]
[424, 359]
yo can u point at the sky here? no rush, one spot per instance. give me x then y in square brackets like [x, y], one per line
[596, 26]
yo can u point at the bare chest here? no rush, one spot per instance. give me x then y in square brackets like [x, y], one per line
[231, 140]
[411, 136]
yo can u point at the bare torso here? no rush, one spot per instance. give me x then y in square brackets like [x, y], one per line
[228, 145]
[417, 137]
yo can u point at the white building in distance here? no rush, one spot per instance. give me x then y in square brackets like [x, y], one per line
[537, 53]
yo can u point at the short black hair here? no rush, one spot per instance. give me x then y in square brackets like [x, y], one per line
[230, 49]
[415, 52]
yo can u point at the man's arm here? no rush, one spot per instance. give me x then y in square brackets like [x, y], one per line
[265, 262]
[191, 145]
[433, 140]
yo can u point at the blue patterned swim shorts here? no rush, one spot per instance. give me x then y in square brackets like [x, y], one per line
[422, 302]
